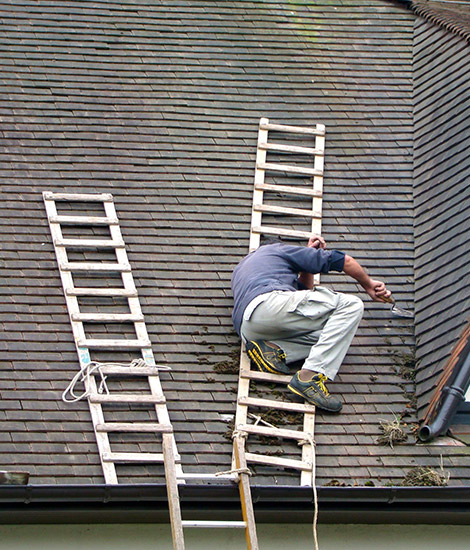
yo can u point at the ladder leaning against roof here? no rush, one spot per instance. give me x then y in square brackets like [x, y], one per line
[313, 193]
[82, 244]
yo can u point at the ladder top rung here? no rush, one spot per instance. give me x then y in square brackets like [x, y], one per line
[289, 168]
[126, 398]
[289, 190]
[122, 292]
[83, 220]
[82, 266]
[79, 197]
[89, 243]
[319, 130]
[134, 427]
[214, 524]
[290, 148]
[107, 317]
[279, 405]
[284, 232]
[114, 344]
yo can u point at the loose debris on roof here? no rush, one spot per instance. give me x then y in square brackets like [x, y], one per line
[423, 476]
[392, 432]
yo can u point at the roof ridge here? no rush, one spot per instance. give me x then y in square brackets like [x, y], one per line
[442, 16]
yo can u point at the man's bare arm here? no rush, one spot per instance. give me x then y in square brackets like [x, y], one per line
[375, 289]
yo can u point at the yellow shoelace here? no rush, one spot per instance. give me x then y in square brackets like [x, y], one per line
[321, 382]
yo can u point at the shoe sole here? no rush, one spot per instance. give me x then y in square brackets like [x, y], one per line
[256, 355]
[297, 393]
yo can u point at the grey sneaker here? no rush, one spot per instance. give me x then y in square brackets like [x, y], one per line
[267, 357]
[314, 391]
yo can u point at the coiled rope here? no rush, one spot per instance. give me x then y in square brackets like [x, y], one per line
[84, 375]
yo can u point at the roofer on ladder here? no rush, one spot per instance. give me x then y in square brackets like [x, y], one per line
[283, 319]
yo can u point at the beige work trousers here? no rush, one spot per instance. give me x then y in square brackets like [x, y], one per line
[312, 325]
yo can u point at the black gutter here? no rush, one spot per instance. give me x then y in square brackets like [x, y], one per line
[453, 395]
[148, 504]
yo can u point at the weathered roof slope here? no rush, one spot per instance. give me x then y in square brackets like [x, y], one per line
[158, 102]
[442, 198]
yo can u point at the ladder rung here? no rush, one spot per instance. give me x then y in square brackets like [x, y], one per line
[214, 524]
[81, 266]
[83, 220]
[278, 231]
[284, 210]
[134, 427]
[276, 461]
[132, 457]
[272, 432]
[288, 168]
[288, 189]
[122, 292]
[290, 148]
[126, 398]
[280, 405]
[89, 243]
[319, 130]
[132, 371]
[107, 317]
[265, 376]
[79, 197]
[115, 344]
[231, 477]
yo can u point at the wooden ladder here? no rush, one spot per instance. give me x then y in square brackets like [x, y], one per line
[313, 193]
[147, 368]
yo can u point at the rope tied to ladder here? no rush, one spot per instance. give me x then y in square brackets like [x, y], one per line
[308, 440]
[84, 375]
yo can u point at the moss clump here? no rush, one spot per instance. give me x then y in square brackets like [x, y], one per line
[335, 483]
[231, 365]
[423, 476]
[406, 363]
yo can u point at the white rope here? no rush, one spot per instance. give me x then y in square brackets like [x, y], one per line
[84, 375]
[235, 471]
[310, 441]
[307, 441]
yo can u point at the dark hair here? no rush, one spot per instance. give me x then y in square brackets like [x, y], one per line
[265, 240]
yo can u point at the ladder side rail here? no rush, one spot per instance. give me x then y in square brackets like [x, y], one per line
[259, 180]
[245, 493]
[241, 415]
[96, 411]
[172, 492]
[317, 201]
[140, 328]
[308, 448]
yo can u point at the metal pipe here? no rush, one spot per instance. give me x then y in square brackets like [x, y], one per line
[454, 395]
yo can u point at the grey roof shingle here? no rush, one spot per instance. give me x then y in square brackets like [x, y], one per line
[442, 162]
[158, 103]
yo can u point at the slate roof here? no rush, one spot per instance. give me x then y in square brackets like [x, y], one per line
[158, 103]
[453, 16]
[442, 199]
